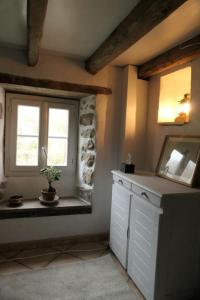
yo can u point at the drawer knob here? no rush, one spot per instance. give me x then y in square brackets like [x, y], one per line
[120, 181]
[143, 194]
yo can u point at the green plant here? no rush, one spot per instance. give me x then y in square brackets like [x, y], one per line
[52, 174]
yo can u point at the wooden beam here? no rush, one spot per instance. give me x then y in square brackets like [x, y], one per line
[51, 84]
[181, 54]
[143, 18]
[36, 11]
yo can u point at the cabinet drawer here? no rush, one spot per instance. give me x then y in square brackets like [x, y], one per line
[122, 182]
[146, 195]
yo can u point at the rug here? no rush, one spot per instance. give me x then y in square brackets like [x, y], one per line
[95, 279]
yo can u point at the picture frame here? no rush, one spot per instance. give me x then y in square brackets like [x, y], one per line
[180, 160]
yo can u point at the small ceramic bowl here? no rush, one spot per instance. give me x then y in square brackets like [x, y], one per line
[15, 200]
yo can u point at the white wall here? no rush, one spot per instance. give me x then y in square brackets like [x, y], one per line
[134, 116]
[108, 136]
[156, 133]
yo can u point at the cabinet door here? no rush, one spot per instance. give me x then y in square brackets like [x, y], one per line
[144, 221]
[119, 224]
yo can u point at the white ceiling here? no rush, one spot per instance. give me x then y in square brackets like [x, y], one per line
[13, 22]
[77, 27]
[181, 25]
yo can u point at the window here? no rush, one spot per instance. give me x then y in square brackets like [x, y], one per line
[58, 136]
[40, 131]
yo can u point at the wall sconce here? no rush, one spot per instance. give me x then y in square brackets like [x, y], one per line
[183, 110]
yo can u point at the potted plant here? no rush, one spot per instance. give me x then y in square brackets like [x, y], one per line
[52, 174]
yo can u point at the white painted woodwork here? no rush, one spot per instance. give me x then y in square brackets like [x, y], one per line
[122, 182]
[142, 250]
[120, 222]
[154, 233]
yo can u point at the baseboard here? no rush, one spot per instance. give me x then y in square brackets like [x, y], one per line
[54, 241]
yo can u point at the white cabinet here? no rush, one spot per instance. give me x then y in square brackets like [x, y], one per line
[144, 221]
[154, 232]
[120, 222]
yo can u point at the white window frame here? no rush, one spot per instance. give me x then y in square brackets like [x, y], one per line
[12, 101]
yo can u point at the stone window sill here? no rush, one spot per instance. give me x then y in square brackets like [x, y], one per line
[33, 208]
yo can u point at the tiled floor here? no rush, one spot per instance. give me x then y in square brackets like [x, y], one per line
[39, 258]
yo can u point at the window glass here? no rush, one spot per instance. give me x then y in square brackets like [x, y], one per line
[28, 122]
[58, 137]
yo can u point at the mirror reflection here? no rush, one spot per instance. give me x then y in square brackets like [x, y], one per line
[179, 158]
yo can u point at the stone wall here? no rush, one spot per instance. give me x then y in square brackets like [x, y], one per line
[87, 147]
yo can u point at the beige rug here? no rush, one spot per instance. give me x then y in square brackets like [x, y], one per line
[95, 279]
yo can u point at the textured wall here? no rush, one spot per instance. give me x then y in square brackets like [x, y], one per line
[87, 142]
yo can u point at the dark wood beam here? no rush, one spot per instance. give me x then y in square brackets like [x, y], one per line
[51, 84]
[142, 19]
[181, 54]
[36, 11]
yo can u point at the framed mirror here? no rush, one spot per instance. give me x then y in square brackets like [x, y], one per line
[179, 160]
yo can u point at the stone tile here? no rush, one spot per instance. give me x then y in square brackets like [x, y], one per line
[127, 278]
[37, 262]
[87, 250]
[88, 246]
[36, 258]
[105, 243]
[62, 260]
[29, 253]
[12, 267]
[64, 246]
[10, 253]
[86, 255]
[135, 289]
[2, 259]
[120, 268]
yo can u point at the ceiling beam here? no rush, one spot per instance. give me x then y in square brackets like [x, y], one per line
[142, 19]
[52, 84]
[36, 11]
[181, 54]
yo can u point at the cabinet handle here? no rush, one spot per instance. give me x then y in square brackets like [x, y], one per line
[120, 181]
[143, 194]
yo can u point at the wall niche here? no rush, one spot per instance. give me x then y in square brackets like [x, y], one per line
[175, 97]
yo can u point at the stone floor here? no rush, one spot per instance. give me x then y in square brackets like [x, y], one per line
[39, 258]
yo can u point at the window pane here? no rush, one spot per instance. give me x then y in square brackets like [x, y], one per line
[27, 151]
[28, 120]
[57, 152]
[58, 122]
[58, 137]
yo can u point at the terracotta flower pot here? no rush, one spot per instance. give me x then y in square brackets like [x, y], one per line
[15, 200]
[48, 196]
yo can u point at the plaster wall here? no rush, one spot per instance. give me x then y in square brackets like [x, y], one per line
[156, 133]
[134, 116]
[107, 141]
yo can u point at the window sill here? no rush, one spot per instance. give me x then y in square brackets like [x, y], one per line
[33, 208]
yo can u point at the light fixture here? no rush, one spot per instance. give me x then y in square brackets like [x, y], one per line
[183, 110]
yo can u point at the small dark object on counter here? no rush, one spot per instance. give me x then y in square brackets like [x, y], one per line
[127, 168]
[48, 202]
[15, 200]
